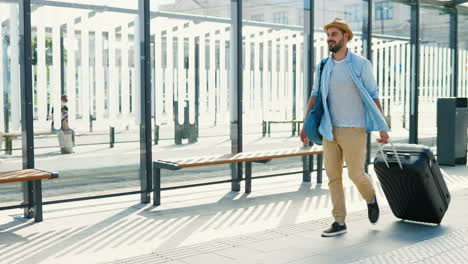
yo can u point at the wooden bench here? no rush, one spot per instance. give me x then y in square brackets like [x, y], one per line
[34, 176]
[244, 157]
[296, 126]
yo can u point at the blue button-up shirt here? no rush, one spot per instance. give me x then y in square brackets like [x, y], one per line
[360, 70]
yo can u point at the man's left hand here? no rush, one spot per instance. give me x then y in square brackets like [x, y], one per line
[384, 137]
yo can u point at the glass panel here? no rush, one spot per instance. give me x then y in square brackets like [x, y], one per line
[10, 102]
[462, 54]
[86, 80]
[191, 84]
[391, 62]
[435, 69]
[273, 74]
[273, 80]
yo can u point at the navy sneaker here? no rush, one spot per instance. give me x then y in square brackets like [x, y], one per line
[373, 211]
[335, 230]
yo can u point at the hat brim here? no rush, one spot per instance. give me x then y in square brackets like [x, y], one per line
[342, 27]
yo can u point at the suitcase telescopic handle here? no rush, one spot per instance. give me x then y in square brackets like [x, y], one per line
[394, 152]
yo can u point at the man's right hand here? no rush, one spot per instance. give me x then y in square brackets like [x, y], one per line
[303, 137]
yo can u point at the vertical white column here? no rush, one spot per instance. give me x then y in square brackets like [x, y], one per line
[436, 70]
[265, 81]
[462, 66]
[300, 91]
[14, 69]
[181, 79]
[202, 77]
[191, 77]
[375, 52]
[169, 74]
[428, 90]
[257, 77]
[460, 73]
[397, 85]
[431, 70]
[41, 76]
[464, 73]
[136, 80]
[247, 100]
[212, 75]
[158, 92]
[113, 80]
[282, 85]
[288, 103]
[380, 65]
[386, 80]
[448, 71]
[223, 89]
[125, 71]
[359, 46]
[408, 76]
[71, 70]
[391, 85]
[56, 75]
[99, 78]
[85, 82]
[274, 80]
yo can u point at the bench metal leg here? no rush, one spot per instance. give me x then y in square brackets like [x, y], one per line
[156, 134]
[236, 176]
[111, 136]
[269, 128]
[293, 129]
[28, 199]
[248, 177]
[156, 186]
[306, 170]
[8, 146]
[263, 128]
[37, 189]
[319, 168]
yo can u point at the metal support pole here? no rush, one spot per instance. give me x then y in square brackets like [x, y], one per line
[367, 51]
[414, 94]
[145, 120]
[236, 88]
[27, 127]
[309, 67]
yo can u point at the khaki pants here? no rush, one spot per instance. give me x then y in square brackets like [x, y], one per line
[349, 144]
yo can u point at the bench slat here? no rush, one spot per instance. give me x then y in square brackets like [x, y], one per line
[24, 175]
[245, 157]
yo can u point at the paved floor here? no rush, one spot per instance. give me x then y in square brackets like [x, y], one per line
[279, 222]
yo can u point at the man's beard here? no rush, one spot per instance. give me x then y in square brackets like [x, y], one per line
[337, 46]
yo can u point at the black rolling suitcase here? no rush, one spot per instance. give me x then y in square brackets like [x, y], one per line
[412, 182]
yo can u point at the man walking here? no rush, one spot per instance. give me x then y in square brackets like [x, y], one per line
[351, 108]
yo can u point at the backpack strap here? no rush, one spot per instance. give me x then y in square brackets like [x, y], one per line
[322, 65]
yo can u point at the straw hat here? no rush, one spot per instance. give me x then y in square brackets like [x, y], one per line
[341, 24]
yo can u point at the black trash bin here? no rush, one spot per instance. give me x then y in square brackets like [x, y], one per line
[452, 119]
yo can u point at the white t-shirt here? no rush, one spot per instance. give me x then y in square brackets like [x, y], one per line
[345, 103]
